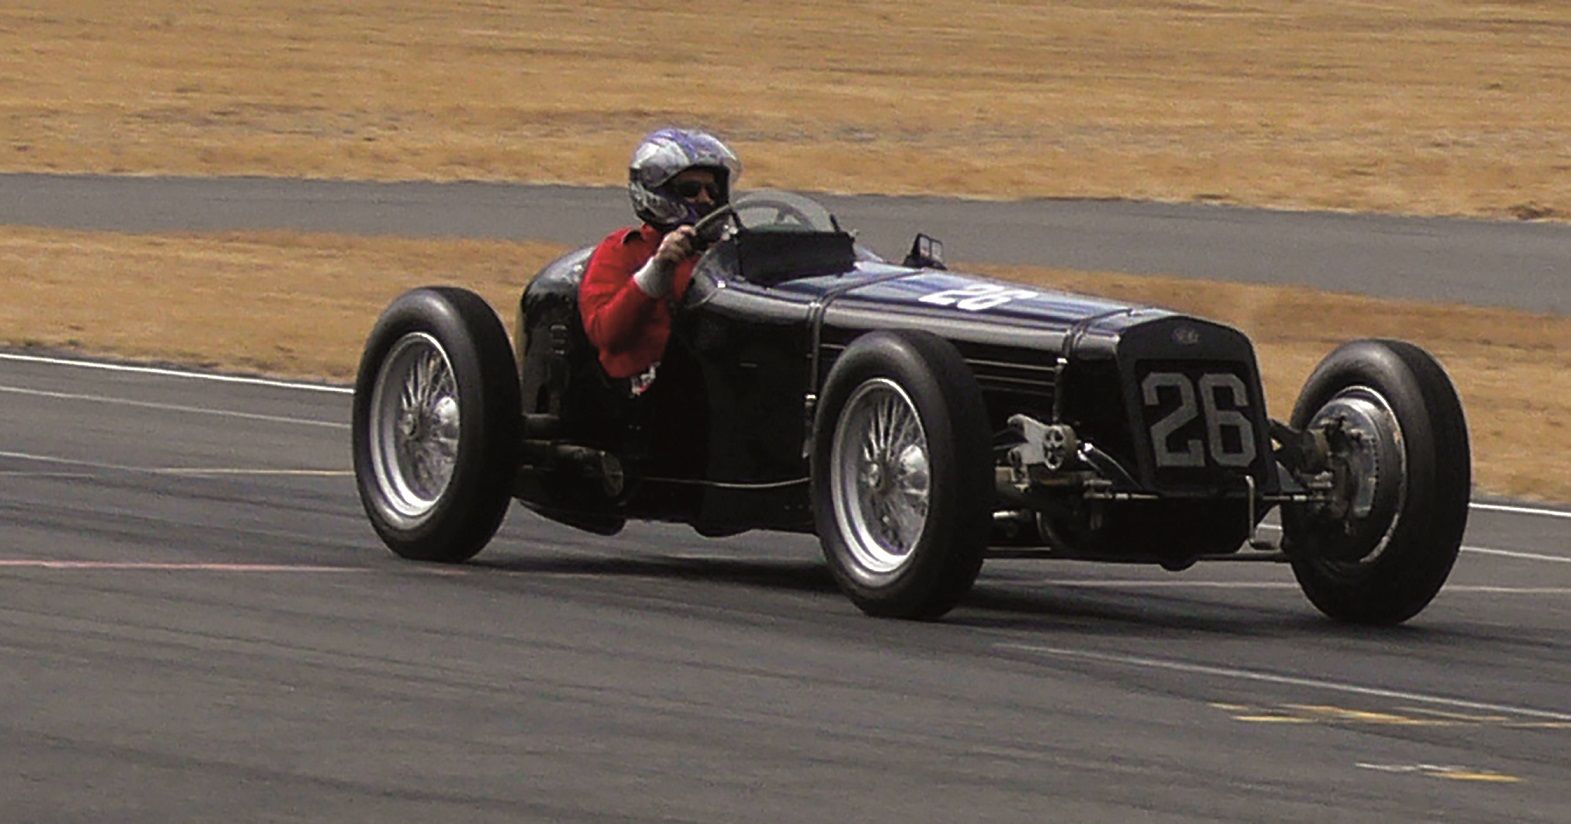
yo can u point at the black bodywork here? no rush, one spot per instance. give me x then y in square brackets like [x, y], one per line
[721, 441]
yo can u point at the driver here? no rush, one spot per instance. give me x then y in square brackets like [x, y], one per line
[676, 177]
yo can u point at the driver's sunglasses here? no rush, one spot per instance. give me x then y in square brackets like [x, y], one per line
[689, 189]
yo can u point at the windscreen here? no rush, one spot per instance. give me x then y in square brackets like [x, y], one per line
[772, 209]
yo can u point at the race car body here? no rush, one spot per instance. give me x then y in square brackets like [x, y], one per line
[913, 416]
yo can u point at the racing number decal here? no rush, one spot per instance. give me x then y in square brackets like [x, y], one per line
[1191, 454]
[978, 297]
[1218, 421]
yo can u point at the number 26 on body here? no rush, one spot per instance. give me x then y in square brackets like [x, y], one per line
[978, 297]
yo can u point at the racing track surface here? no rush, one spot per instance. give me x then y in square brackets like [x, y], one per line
[198, 624]
[1512, 264]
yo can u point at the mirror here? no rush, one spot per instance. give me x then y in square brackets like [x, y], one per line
[927, 252]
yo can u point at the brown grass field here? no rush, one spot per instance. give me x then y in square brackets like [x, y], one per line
[302, 305]
[1418, 106]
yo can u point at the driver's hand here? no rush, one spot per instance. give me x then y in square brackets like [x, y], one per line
[676, 246]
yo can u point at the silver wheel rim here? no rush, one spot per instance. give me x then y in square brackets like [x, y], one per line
[414, 427]
[879, 476]
[1368, 412]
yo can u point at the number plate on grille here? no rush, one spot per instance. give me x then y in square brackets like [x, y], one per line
[1199, 416]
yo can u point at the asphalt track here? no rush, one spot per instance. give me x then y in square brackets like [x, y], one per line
[199, 625]
[1493, 263]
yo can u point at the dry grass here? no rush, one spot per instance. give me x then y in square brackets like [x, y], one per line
[1426, 106]
[274, 303]
[302, 306]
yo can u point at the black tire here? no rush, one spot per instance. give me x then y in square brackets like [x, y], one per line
[914, 375]
[416, 514]
[1385, 567]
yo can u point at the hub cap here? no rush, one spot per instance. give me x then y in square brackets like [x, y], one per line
[1367, 439]
[879, 476]
[414, 426]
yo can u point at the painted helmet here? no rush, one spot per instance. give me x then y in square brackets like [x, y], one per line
[666, 153]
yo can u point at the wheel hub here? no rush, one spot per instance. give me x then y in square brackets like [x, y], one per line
[875, 476]
[1368, 472]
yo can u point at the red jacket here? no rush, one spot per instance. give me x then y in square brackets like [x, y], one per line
[628, 327]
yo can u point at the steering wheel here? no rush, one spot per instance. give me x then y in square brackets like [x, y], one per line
[709, 230]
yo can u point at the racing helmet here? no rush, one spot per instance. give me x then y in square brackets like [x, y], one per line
[666, 153]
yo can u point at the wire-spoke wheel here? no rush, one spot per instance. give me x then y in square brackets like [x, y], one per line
[879, 472]
[435, 427]
[902, 474]
[415, 425]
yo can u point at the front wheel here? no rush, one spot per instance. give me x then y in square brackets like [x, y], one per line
[1380, 551]
[436, 424]
[902, 475]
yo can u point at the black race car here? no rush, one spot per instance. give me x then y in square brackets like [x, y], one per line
[911, 417]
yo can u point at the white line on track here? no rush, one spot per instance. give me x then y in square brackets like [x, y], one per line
[344, 390]
[174, 373]
[1284, 680]
[180, 471]
[1521, 510]
[198, 471]
[170, 407]
[1481, 550]
[1135, 583]
[1521, 556]
[30, 563]
[1487, 589]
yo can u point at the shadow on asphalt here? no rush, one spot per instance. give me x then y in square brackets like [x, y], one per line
[796, 576]
[1054, 611]
[1048, 610]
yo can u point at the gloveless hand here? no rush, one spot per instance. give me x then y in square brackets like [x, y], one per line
[676, 246]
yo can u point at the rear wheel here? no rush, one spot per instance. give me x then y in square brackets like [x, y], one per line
[902, 475]
[436, 425]
[1380, 552]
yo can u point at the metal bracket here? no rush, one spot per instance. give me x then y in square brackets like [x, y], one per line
[1255, 541]
[1046, 445]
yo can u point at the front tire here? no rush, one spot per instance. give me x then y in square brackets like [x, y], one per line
[1382, 553]
[902, 475]
[436, 425]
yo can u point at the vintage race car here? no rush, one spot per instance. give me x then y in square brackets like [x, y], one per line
[913, 418]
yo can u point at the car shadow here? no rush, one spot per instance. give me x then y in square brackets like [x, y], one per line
[1050, 610]
[1046, 610]
[796, 576]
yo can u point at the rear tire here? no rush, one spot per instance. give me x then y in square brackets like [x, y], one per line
[902, 475]
[1414, 476]
[436, 424]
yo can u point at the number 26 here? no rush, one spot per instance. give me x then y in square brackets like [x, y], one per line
[977, 298]
[1217, 421]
